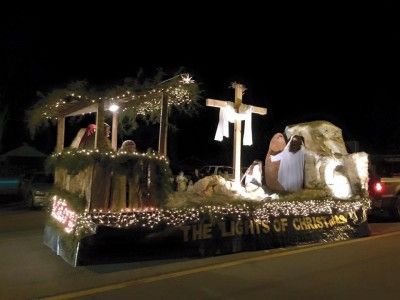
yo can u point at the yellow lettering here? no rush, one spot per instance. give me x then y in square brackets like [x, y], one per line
[239, 228]
[224, 231]
[249, 227]
[343, 219]
[295, 225]
[185, 232]
[309, 223]
[196, 232]
[284, 224]
[318, 222]
[303, 224]
[325, 222]
[264, 226]
[277, 225]
[257, 227]
[207, 231]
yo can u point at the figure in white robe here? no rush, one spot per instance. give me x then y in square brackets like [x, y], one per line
[190, 186]
[253, 176]
[128, 147]
[291, 168]
[181, 182]
[77, 140]
[86, 136]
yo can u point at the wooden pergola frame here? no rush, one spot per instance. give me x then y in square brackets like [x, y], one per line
[99, 109]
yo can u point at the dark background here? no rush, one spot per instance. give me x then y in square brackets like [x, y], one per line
[337, 62]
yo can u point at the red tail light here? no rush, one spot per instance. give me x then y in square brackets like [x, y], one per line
[378, 187]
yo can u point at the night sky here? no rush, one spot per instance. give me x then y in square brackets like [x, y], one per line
[335, 63]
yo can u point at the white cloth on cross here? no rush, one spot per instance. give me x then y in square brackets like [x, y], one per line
[227, 114]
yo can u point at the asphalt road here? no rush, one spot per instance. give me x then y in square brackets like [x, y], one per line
[362, 268]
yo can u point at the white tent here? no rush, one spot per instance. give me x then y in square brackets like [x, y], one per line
[24, 151]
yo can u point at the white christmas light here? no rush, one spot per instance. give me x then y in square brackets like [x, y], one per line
[113, 107]
[152, 217]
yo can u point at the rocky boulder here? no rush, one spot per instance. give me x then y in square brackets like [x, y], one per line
[327, 162]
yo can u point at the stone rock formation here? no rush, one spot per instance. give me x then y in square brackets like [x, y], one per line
[216, 184]
[276, 145]
[327, 162]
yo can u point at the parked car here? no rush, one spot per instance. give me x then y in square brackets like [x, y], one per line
[216, 170]
[384, 184]
[35, 189]
[9, 185]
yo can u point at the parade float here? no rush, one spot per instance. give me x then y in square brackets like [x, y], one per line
[110, 205]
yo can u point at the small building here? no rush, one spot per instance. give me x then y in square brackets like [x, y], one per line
[22, 159]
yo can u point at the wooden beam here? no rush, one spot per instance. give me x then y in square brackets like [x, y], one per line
[99, 142]
[220, 103]
[114, 131]
[79, 110]
[162, 138]
[237, 136]
[217, 103]
[259, 110]
[60, 134]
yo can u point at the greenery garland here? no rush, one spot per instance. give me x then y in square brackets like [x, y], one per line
[75, 160]
[136, 98]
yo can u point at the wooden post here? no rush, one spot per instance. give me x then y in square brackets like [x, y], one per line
[237, 138]
[99, 137]
[114, 131]
[162, 138]
[60, 134]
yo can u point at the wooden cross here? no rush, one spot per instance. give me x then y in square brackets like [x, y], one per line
[237, 139]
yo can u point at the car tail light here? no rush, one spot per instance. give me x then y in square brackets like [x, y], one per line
[378, 187]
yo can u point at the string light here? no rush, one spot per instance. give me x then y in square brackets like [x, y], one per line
[63, 214]
[181, 90]
[152, 217]
[97, 155]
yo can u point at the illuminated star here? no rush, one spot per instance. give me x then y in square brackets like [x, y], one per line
[186, 79]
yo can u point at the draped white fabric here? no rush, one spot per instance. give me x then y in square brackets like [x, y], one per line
[228, 115]
[291, 168]
[75, 143]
